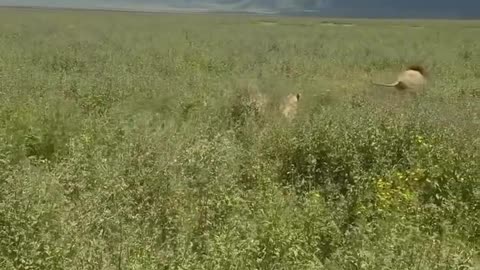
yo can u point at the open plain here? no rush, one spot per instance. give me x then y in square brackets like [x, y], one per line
[129, 141]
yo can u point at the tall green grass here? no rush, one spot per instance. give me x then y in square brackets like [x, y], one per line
[124, 144]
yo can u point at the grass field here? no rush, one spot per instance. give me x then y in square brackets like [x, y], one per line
[125, 145]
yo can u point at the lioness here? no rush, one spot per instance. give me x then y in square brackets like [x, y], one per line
[289, 105]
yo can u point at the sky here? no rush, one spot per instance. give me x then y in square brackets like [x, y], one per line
[355, 8]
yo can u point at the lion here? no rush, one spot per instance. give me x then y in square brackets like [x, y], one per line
[289, 106]
[413, 79]
[252, 102]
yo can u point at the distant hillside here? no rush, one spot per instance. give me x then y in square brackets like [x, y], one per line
[349, 8]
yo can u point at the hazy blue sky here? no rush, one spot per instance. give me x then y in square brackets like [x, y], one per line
[448, 8]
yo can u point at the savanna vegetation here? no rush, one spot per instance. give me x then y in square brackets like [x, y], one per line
[127, 143]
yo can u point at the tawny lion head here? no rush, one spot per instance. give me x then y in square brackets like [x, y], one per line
[419, 68]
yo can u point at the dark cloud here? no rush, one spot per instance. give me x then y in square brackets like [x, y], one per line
[360, 8]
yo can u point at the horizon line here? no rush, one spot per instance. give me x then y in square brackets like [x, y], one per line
[257, 12]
